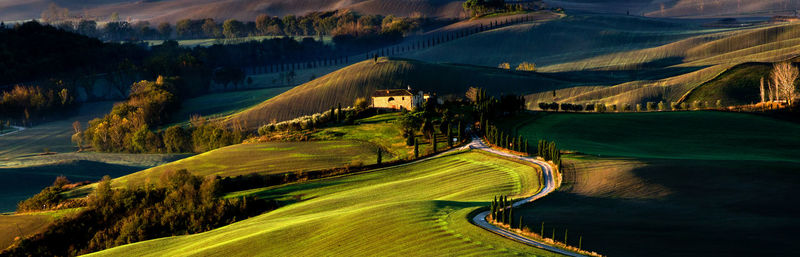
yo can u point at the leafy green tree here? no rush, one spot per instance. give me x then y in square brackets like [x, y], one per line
[211, 28]
[233, 28]
[139, 140]
[175, 139]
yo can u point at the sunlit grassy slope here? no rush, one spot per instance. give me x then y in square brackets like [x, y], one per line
[706, 135]
[363, 78]
[417, 209]
[23, 225]
[265, 158]
[382, 130]
[736, 86]
[220, 104]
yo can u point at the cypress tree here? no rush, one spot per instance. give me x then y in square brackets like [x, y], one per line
[510, 217]
[565, 235]
[519, 143]
[553, 236]
[526, 147]
[459, 132]
[542, 232]
[339, 113]
[332, 111]
[380, 155]
[449, 135]
[580, 242]
[433, 141]
[416, 148]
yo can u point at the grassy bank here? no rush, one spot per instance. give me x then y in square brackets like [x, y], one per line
[413, 209]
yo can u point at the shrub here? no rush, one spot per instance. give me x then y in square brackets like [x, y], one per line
[651, 106]
[526, 66]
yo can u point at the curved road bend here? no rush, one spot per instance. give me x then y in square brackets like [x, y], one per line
[549, 186]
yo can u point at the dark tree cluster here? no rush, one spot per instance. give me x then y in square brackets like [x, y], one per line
[181, 204]
[478, 8]
[127, 128]
[25, 103]
[31, 51]
[433, 120]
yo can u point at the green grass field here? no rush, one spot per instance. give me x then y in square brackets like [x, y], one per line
[705, 135]
[381, 130]
[265, 158]
[22, 225]
[416, 209]
[221, 104]
[640, 207]
[20, 183]
[362, 79]
[736, 86]
[688, 183]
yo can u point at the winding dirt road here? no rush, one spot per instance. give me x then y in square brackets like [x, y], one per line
[549, 185]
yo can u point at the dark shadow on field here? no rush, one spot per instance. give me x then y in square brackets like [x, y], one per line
[712, 208]
[654, 70]
[17, 184]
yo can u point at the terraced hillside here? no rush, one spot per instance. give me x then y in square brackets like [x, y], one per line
[413, 209]
[363, 78]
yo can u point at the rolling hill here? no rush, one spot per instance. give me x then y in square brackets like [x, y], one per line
[363, 78]
[416, 209]
[263, 158]
[631, 59]
[173, 10]
[683, 8]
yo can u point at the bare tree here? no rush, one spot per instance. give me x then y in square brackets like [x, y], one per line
[762, 90]
[78, 136]
[784, 75]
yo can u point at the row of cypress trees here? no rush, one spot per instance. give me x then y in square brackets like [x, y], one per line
[505, 140]
[501, 210]
[549, 151]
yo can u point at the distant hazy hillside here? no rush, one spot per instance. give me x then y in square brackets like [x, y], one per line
[172, 10]
[684, 8]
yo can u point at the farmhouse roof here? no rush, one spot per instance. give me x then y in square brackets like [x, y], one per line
[392, 92]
